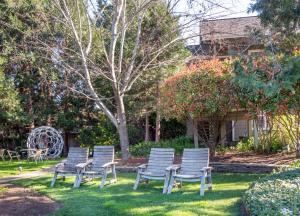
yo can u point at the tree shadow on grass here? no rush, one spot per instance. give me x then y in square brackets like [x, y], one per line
[121, 199]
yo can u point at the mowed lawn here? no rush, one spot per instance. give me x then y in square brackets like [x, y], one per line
[8, 168]
[119, 198]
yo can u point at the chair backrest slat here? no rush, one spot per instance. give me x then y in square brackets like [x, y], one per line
[76, 155]
[159, 160]
[102, 155]
[193, 160]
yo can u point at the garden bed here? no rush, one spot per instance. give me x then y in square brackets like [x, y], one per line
[231, 157]
[229, 162]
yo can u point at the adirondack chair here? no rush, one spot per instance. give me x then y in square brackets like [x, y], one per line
[158, 167]
[13, 154]
[2, 152]
[194, 168]
[75, 156]
[101, 165]
[37, 154]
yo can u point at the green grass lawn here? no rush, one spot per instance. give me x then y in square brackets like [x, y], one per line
[12, 168]
[120, 199]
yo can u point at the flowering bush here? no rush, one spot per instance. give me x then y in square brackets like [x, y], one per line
[277, 194]
[202, 89]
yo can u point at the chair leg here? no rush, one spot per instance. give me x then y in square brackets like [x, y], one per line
[114, 174]
[202, 185]
[53, 179]
[104, 176]
[137, 181]
[171, 184]
[209, 182]
[78, 180]
[166, 183]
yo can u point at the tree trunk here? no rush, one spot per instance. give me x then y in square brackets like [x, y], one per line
[298, 150]
[297, 137]
[66, 143]
[122, 128]
[195, 132]
[158, 117]
[30, 110]
[157, 126]
[147, 126]
[255, 134]
[189, 127]
[212, 140]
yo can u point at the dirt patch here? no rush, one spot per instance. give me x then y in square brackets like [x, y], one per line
[237, 157]
[230, 157]
[20, 201]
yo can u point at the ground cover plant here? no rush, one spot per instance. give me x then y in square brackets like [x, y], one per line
[277, 194]
[8, 168]
[120, 199]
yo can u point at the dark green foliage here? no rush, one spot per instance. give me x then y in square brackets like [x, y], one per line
[143, 148]
[135, 133]
[101, 133]
[266, 82]
[172, 128]
[284, 15]
[277, 194]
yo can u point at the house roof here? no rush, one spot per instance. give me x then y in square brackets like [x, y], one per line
[230, 28]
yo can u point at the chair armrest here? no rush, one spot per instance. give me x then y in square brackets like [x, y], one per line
[83, 165]
[13, 152]
[108, 164]
[61, 164]
[142, 166]
[174, 167]
[205, 169]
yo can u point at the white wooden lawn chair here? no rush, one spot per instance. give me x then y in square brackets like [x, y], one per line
[101, 165]
[194, 168]
[76, 156]
[13, 154]
[158, 167]
[2, 152]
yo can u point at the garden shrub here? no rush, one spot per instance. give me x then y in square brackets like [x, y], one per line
[245, 145]
[277, 194]
[269, 145]
[143, 148]
[270, 142]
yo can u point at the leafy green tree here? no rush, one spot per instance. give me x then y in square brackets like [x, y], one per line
[270, 84]
[283, 15]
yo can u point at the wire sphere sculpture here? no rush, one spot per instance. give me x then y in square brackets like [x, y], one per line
[46, 137]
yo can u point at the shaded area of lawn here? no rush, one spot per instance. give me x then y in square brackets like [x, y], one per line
[12, 168]
[120, 199]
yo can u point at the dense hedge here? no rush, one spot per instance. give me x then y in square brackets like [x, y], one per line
[277, 194]
[143, 148]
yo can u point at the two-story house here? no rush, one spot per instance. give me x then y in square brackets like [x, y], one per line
[223, 39]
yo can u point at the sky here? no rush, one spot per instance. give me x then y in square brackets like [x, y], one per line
[224, 9]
